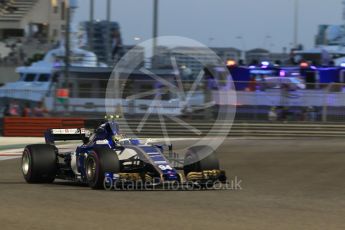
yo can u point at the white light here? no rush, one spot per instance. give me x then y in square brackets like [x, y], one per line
[54, 3]
[265, 63]
[342, 64]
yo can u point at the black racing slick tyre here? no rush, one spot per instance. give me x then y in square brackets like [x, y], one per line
[102, 160]
[200, 158]
[39, 163]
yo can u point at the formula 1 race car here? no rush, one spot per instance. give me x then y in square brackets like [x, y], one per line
[108, 157]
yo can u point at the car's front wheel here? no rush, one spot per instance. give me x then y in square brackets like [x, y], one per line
[100, 161]
[200, 158]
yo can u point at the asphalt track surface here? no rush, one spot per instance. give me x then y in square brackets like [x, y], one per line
[286, 184]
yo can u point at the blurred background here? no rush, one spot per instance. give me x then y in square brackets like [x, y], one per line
[285, 59]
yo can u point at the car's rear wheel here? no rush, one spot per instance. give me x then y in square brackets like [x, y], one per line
[102, 160]
[39, 163]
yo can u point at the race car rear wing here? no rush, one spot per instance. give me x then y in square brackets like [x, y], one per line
[53, 135]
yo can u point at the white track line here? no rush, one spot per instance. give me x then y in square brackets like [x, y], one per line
[10, 154]
[17, 153]
[8, 158]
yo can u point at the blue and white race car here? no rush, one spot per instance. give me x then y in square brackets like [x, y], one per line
[108, 157]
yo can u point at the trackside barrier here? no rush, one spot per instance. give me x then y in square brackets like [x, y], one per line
[238, 129]
[35, 127]
[1, 126]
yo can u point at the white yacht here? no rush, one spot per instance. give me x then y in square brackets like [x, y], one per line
[36, 81]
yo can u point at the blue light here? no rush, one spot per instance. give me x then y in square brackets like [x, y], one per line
[342, 64]
[57, 64]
